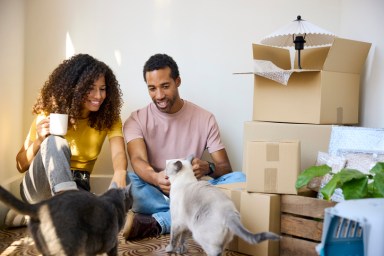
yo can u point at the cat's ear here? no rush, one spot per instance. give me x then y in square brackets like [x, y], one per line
[127, 189]
[190, 158]
[178, 165]
[113, 185]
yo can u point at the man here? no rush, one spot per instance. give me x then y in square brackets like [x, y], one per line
[168, 128]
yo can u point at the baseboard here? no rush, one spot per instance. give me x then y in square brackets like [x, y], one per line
[13, 184]
[100, 183]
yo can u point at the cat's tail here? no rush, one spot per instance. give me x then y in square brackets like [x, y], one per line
[235, 225]
[19, 206]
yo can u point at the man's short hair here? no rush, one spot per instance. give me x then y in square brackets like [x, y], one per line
[160, 61]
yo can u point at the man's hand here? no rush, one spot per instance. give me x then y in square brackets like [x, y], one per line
[163, 183]
[200, 168]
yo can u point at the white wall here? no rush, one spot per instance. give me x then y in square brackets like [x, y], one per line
[11, 86]
[362, 21]
[210, 40]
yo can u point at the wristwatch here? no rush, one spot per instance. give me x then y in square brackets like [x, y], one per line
[212, 168]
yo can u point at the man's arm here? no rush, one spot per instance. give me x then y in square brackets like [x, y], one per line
[137, 152]
[222, 164]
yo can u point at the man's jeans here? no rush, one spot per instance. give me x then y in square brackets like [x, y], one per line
[49, 172]
[148, 199]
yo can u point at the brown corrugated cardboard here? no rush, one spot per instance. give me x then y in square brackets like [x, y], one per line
[260, 212]
[233, 191]
[313, 138]
[325, 91]
[272, 167]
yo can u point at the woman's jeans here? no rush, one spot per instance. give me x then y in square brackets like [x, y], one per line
[49, 172]
[148, 199]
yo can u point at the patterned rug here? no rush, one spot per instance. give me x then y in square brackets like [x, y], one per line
[17, 241]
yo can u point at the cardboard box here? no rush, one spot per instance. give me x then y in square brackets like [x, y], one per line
[272, 167]
[301, 224]
[313, 138]
[325, 91]
[259, 213]
[233, 191]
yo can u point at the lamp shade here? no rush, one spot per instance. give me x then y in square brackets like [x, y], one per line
[313, 35]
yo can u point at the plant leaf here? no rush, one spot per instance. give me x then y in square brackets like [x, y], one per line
[338, 181]
[350, 174]
[329, 188]
[308, 174]
[378, 168]
[378, 185]
[355, 188]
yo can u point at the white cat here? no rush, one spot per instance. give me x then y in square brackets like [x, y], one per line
[203, 209]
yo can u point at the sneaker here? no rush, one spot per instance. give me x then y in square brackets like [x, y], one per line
[140, 226]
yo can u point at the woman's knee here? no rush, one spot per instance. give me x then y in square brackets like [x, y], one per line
[57, 143]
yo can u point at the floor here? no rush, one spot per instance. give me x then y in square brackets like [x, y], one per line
[17, 241]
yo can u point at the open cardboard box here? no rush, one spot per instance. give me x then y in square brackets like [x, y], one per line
[325, 91]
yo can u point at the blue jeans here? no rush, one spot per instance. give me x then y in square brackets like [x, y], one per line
[49, 172]
[149, 200]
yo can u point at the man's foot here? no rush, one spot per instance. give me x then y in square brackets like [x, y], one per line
[140, 226]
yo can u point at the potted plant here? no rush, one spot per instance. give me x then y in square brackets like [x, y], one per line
[354, 183]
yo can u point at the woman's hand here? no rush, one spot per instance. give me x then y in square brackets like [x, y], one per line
[120, 178]
[30, 148]
[42, 129]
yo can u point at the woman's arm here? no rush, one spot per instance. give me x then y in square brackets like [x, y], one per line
[119, 161]
[30, 148]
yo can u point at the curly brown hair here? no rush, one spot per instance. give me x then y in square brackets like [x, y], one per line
[68, 86]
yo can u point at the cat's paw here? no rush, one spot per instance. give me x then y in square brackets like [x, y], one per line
[182, 249]
[169, 248]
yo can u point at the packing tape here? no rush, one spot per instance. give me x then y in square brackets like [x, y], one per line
[270, 180]
[270, 174]
[272, 152]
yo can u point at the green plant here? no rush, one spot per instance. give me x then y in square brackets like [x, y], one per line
[353, 183]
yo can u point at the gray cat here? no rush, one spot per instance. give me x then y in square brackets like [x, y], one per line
[75, 222]
[201, 208]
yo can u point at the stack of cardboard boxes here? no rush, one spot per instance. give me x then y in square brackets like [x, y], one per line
[290, 125]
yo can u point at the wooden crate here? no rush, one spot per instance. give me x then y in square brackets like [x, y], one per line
[301, 224]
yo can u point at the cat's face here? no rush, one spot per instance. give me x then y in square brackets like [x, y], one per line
[173, 168]
[127, 195]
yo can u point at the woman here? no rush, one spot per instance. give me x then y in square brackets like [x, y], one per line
[87, 90]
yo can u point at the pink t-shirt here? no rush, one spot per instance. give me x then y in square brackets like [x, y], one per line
[168, 136]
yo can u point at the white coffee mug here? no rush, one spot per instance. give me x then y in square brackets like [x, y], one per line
[58, 124]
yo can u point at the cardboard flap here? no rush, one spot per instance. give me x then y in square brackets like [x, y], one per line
[312, 58]
[347, 56]
[278, 56]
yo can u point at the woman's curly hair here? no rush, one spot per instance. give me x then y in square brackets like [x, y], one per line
[68, 86]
